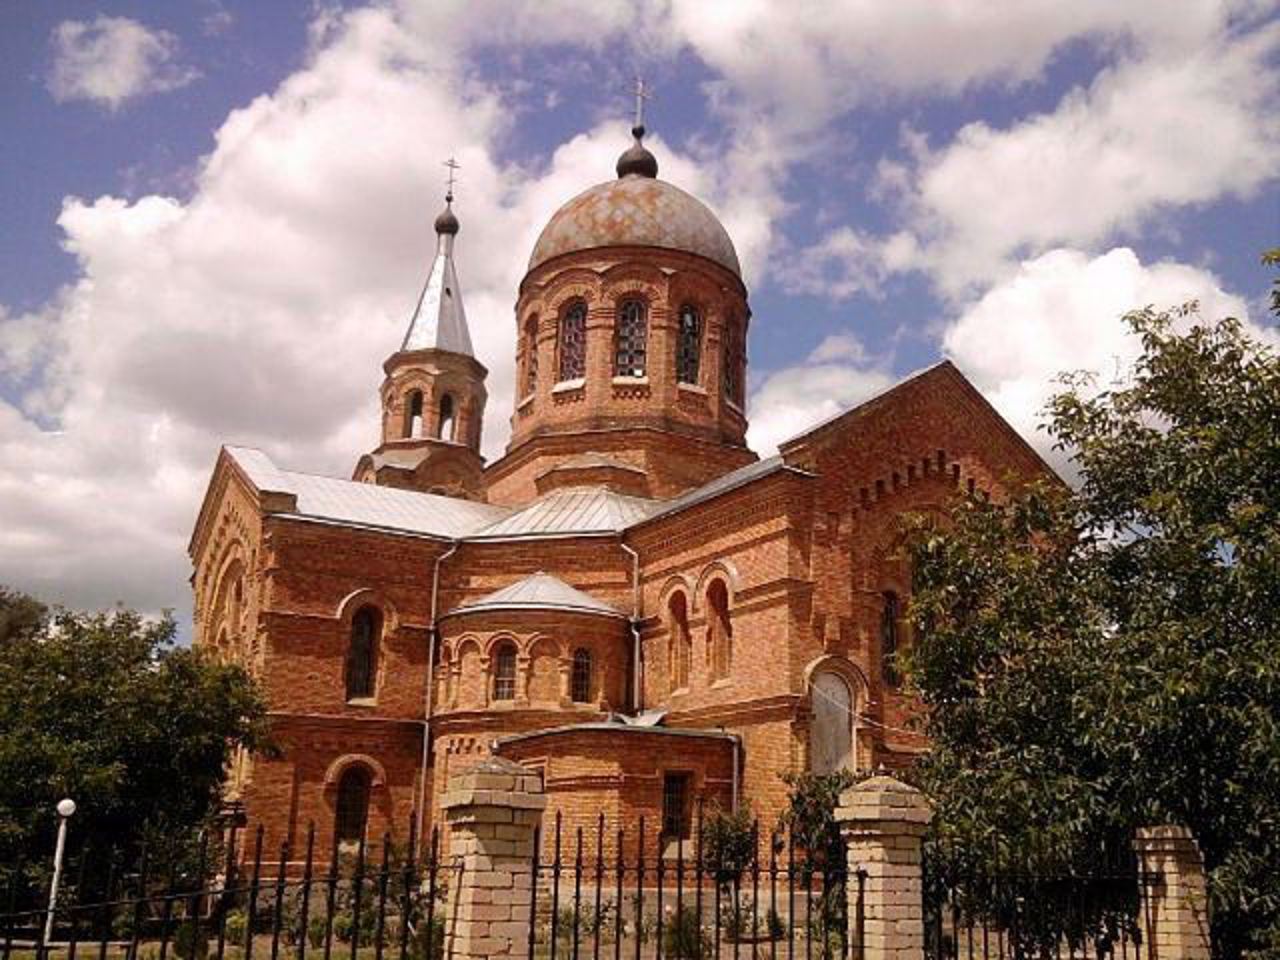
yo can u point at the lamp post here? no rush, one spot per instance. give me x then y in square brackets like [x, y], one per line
[65, 809]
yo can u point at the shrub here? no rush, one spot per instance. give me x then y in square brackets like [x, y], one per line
[234, 926]
[189, 942]
[427, 942]
[728, 841]
[683, 936]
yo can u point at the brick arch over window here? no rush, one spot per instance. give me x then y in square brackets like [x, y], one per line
[378, 773]
[722, 569]
[838, 692]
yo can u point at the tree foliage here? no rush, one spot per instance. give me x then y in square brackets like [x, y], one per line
[106, 709]
[1102, 657]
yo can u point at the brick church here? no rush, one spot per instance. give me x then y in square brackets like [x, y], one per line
[629, 600]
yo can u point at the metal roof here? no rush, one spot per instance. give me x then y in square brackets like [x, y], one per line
[541, 591]
[607, 726]
[366, 504]
[439, 321]
[572, 511]
[568, 512]
[636, 212]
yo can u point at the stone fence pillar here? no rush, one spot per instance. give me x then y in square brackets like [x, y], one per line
[883, 822]
[491, 812]
[1175, 914]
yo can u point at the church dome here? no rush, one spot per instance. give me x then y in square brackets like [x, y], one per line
[636, 210]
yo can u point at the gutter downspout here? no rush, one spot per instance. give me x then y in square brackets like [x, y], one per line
[428, 695]
[737, 753]
[636, 688]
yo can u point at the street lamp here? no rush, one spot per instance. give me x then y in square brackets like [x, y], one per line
[65, 809]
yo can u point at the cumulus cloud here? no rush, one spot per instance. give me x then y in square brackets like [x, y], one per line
[836, 375]
[1152, 134]
[1061, 312]
[259, 310]
[111, 60]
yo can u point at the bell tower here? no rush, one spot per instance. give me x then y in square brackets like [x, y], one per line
[433, 395]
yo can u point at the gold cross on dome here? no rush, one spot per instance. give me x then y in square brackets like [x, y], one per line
[454, 167]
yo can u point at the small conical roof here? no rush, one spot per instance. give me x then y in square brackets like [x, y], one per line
[439, 320]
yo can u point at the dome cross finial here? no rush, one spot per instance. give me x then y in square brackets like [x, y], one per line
[454, 167]
[641, 93]
[638, 161]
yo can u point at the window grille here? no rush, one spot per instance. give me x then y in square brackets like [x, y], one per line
[689, 346]
[675, 806]
[531, 356]
[573, 342]
[504, 674]
[362, 653]
[889, 615]
[352, 812]
[631, 340]
[581, 679]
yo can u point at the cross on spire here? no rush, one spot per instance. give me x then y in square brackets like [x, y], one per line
[641, 93]
[454, 167]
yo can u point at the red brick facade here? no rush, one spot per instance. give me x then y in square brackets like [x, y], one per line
[736, 597]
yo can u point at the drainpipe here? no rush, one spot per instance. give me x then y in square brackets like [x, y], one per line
[737, 753]
[636, 688]
[428, 695]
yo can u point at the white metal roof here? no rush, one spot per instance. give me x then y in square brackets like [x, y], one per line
[439, 321]
[570, 511]
[541, 591]
[367, 504]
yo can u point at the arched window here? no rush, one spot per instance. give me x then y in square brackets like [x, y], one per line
[573, 342]
[352, 813]
[719, 630]
[689, 345]
[362, 653]
[631, 338]
[580, 680]
[504, 672]
[733, 362]
[890, 613]
[680, 652]
[831, 729]
[413, 414]
[530, 356]
[445, 431]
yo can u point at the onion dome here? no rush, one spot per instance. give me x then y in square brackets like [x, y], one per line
[636, 210]
[447, 223]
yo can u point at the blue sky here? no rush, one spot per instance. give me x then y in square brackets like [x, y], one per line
[217, 214]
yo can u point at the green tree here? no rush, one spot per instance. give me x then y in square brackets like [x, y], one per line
[106, 709]
[1097, 658]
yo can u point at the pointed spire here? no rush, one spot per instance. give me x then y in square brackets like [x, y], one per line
[439, 321]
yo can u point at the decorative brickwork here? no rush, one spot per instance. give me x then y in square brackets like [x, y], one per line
[490, 814]
[883, 822]
[1176, 918]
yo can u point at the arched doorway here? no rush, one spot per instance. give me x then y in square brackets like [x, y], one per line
[831, 738]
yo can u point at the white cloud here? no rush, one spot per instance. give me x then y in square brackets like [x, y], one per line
[836, 375]
[807, 61]
[259, 311]
[1148, 136]
[1061, 312]
[111, 60]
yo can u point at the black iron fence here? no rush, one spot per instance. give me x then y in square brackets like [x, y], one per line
[643, 894]
[1099, 917]
[229, 898]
